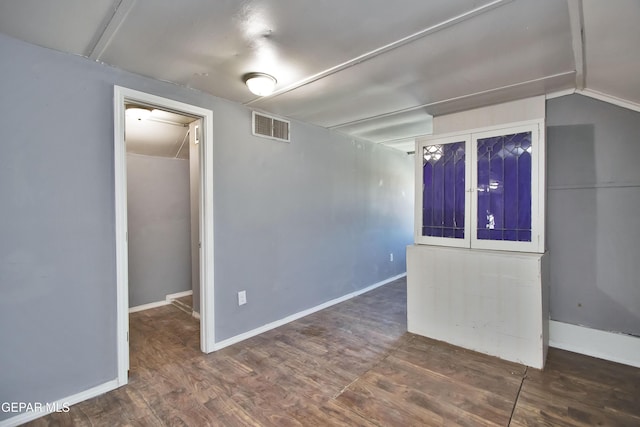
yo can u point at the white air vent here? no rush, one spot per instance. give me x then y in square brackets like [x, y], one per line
[270, 127]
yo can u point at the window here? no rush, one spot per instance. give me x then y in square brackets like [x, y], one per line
[444, 198]
[482, 189]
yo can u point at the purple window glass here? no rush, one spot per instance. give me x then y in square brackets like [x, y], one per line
[504, 187]
[443, 191]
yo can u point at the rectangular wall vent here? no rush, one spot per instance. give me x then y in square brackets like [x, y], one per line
[270, 127]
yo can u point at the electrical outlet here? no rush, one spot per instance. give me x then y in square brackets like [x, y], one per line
[242, 297]
[391, 257]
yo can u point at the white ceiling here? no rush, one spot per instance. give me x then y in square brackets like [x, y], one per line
[375, 69]
[162, 134]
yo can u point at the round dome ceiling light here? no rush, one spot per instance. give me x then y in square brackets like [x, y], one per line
[260, 84]
[138, 113]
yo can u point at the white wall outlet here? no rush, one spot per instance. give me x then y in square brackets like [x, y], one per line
[391, 257]
[242, 297]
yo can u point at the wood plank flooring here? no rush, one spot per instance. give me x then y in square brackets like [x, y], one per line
[353, 364]
[184, 303]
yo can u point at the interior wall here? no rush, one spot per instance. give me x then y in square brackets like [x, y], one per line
[593, 203]
[509, 112]
[295, 224]
[300, 223]
[159, 227]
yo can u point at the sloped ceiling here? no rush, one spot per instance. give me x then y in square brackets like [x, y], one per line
[374, 69]
[612, 51]
[162, 134]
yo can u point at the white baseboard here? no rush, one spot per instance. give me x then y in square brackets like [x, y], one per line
[148, 306]
[112, 385]
[166, 301]
[25, 417]
[611, 346]
[195, 314]
[257, 331]
[179, 295]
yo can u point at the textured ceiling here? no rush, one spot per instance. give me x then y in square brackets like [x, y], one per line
[370, 68]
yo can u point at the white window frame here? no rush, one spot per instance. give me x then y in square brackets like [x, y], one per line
[443, 241]
[538, 185]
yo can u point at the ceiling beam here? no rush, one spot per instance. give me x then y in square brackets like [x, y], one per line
[102, 41]
[379, 116]
[168, 122]
[457, 98]
[386, 48]
[624, 103]
[576, 20]
[560, 93]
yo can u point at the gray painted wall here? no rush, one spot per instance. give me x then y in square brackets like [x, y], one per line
[159, 227]
[303, 222]
[593, 204]
[295, 224]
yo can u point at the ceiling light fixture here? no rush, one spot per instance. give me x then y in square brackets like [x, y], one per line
[260, 84]
[138, 113]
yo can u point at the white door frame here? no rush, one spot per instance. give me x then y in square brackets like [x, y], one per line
[207, 338]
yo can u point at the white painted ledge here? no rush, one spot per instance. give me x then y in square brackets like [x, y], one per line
[611, 346]
[492, 302]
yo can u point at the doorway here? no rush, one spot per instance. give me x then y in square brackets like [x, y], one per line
[123, 97]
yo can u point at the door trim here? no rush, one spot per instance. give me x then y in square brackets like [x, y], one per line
[207, 329]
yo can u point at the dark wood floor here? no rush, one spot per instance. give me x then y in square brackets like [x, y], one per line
[353, 364]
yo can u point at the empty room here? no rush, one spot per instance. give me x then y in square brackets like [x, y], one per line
[297, 213]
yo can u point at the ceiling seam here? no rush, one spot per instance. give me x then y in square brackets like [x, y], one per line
[576, 21]
[559, 94]
[611, 99]
[386, 48]
[117, 19]
[402, 140]
[168, 122]
[457, 98]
